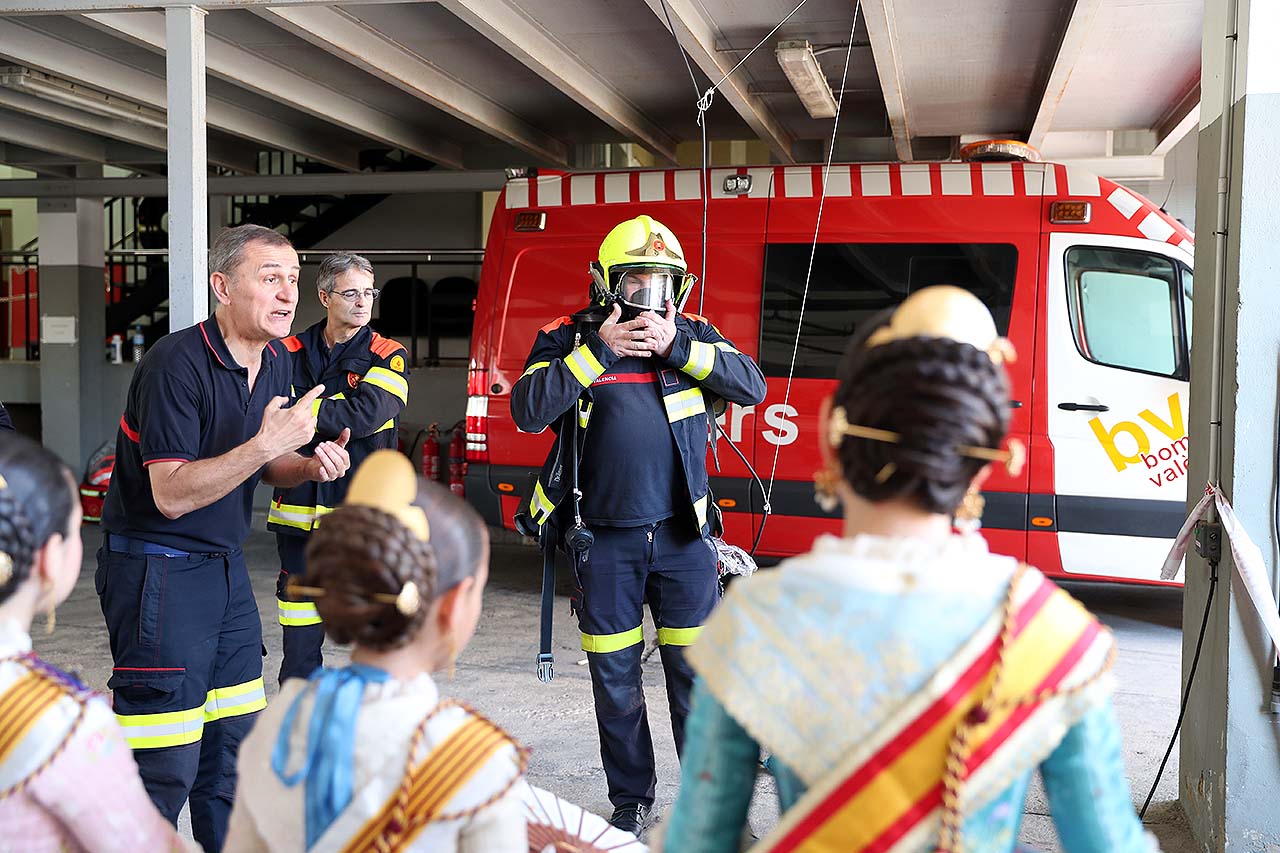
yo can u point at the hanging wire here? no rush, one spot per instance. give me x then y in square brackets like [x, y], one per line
[813, 250]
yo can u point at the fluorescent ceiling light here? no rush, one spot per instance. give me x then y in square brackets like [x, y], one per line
[801, 67]
[68, 93]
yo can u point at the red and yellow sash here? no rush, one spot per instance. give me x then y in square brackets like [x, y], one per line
[429, 786]
[874, 800]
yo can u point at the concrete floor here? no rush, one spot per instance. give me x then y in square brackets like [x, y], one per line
[496, 673]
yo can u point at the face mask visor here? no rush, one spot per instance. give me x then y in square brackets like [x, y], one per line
[648, 288]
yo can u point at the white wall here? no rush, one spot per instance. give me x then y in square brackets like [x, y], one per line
[1179, 184]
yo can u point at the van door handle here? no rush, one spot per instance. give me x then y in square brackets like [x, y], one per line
[1084, 407]
[1015, 404]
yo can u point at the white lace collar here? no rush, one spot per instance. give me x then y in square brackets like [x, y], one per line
[901, 564]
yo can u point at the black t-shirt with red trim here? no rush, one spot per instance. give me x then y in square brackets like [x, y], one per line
[629, 473]
[189, 400]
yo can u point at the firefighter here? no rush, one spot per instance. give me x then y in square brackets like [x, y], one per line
[5, 422]
[640, 379]
[206, 417]
[367, 385]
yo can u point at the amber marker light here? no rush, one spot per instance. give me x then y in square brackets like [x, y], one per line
[1070, 212]
[531, 220]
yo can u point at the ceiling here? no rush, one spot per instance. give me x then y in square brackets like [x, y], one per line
[487, 83]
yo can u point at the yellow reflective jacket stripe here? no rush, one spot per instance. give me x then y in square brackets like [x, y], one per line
[535, 367]
[684, 404]
[702, 358]
[390, 381]
[584, 365]
[605, 643]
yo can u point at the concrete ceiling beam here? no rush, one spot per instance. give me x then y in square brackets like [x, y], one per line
[1178, 121]
[248, 69]
[699, 37]
[509, 27]
[33, 133]
[64, 59]
[880, 18]
[379, 54]
[231, 155]
[1075, 32]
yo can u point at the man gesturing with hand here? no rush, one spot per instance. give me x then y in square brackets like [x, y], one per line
[206, 418]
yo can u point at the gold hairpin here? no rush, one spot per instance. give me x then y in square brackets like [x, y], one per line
[388, 482]
[4, 484]
[408, 601]
[1014, 457]
[6, 568]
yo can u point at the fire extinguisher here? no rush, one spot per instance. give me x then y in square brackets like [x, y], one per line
[458, 459]
[431, 454]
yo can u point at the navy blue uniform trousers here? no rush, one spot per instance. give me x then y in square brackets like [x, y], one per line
[186, 642]
[300, 627]
[671, 567]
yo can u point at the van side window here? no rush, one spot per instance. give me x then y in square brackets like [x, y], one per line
[851, 282]
[1125, 311]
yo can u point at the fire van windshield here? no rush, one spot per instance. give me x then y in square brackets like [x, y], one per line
[853, 281]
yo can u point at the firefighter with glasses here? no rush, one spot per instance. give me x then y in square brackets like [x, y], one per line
[636, 382]
[366, 382]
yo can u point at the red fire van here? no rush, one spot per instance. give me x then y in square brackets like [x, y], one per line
[1090, 281]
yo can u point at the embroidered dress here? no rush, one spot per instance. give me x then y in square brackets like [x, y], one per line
[484, 812]
[853, 665]
[68, 781]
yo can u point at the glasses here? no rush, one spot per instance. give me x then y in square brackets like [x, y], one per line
[352, 295]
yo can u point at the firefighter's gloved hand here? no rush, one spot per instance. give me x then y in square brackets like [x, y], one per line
[661, 330]
[629, 338]
[285, 430]
[331, 460]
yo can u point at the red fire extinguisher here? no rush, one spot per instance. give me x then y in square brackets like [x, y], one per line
[458, 459]
[431, 454]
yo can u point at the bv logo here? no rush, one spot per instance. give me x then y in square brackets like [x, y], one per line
[1174, 429]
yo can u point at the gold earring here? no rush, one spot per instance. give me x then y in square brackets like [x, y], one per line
[824, 487]
[968, 517]
[51, 614]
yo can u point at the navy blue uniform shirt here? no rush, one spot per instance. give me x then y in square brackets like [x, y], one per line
[5, 423]
[189, 400]
[630, 472]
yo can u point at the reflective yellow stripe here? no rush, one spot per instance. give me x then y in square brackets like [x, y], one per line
[604, 643]
[533, 368]
[539, 504]
[315, 407]
[154, 731]
[390, 381]
[702, 357]
[298, 613]
[700, 510]
[584, 414]
[391, 424]
[235, 701]
[292, 515]
[678, 636]
[584, 366]
[724, 346]
[684, 404]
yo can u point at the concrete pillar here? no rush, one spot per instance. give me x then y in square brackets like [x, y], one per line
[188, 167]
[72, 323]
[1230, 745]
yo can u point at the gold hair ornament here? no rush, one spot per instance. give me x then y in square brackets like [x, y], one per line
[1013, 457]
[945, 311]
[387, 482]
[6, 561]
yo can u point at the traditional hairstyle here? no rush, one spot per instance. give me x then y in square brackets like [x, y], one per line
[37, 494]
[335, 265]
[228, 248]
[928, 413]
[365, 560]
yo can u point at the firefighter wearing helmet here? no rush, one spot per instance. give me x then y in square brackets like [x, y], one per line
[636, 383]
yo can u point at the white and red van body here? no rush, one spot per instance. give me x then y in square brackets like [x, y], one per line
[1098, 311]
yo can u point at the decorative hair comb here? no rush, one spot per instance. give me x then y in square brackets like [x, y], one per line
[945, 311]
[386, 481]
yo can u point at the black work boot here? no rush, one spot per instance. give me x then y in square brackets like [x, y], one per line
[630, 817]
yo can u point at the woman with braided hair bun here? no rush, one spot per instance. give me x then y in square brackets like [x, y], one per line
[68, 781]
[371, 757]
[904, 681]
